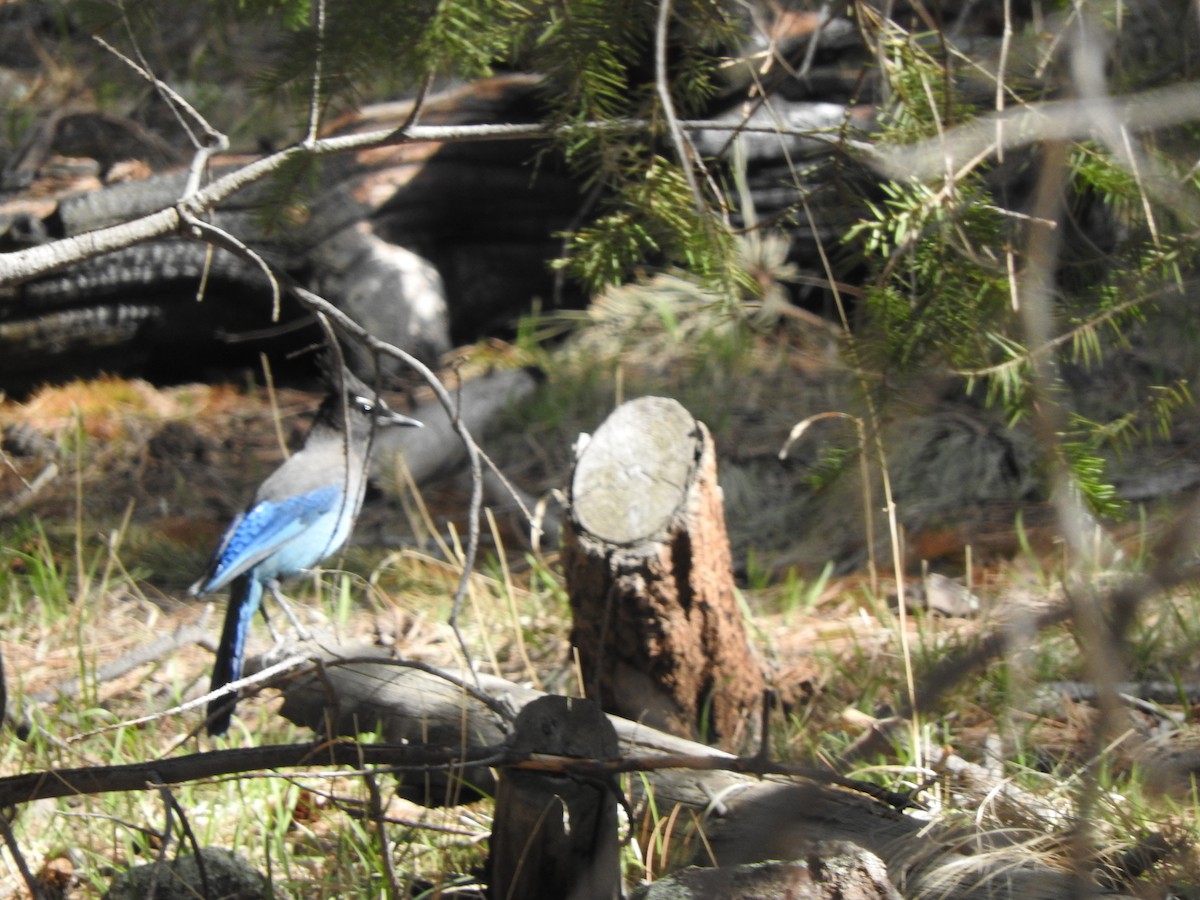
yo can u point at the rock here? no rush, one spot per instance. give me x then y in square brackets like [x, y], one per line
[227, 875]
[830, 869]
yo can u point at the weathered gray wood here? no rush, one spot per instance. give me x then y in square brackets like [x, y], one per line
[829, 870]
[556, 835]
[713, 816]
[633, 475]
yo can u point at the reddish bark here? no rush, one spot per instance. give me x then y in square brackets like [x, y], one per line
[657, 625]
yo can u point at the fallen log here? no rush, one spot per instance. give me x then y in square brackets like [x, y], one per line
[405, 239]
[702, 803]
[428, 243]
[830, 870]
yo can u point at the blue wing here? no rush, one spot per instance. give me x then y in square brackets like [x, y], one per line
[264, 529]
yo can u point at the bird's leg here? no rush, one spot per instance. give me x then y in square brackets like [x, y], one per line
[301, 631]
[276, 637]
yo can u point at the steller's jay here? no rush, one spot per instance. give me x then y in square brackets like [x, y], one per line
[301, 514]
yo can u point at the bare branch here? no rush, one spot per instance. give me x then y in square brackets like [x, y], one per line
[22, 265]
[683, 147]
[31, 786]
[1053, 120]
[314, 102]
[216, 141]
[32, 262]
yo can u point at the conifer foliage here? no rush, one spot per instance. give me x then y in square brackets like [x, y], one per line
[617, 72]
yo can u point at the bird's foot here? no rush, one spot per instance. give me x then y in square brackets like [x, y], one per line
[302, 633]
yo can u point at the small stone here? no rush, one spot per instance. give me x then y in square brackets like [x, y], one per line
[228, 876]
[830, 870]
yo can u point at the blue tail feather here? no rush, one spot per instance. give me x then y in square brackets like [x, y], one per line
[245, 597]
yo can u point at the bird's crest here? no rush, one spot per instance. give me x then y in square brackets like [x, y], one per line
[360, 397]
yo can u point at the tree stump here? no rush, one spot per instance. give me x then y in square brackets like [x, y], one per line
[657, 625]
[555, 835]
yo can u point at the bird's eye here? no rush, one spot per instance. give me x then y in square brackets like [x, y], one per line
[364, 405]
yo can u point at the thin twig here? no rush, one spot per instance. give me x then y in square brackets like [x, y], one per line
[216, 141]
[683, 147]
[1001, 66]
[314, 100]
[172, 807]
[14, 849]
[855, 359]
[824, 17]
[264, 675]
[175, 101]
[32, 489]
[214, 234]
[1063, 337]
[418, 103]
[375, 815]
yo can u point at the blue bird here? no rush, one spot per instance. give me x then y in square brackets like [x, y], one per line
[302, 513]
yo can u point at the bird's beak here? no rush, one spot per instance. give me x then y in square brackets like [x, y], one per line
[388, 416]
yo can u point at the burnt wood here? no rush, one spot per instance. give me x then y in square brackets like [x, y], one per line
[424, 244]
[427, 244]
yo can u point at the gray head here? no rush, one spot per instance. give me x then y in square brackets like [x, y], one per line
[353, 401]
